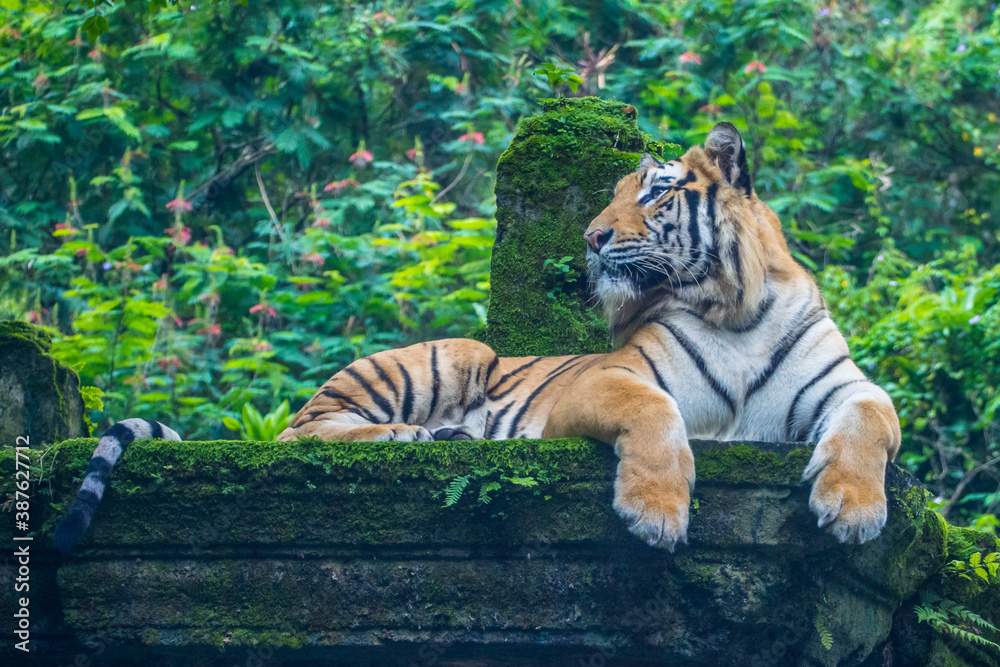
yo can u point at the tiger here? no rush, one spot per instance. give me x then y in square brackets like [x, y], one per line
[718, 333]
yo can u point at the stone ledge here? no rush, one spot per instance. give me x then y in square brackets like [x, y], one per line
[343, 552]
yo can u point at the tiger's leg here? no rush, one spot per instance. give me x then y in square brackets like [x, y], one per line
[859, 436]
[418, 393]
[656, 467]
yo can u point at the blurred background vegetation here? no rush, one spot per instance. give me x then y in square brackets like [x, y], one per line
[216, 206]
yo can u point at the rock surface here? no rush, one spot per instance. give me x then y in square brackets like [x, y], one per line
[343, 553]
[39, 396]
[557, 175]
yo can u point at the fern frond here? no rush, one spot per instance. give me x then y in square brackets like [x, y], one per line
[825, 636]
[484, 492]
[453, 493]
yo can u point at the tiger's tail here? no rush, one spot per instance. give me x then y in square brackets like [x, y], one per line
[111, 446]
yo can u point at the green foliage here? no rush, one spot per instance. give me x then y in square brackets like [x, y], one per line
[556, 76]
[952, 619]
[983, 567]
[453, 492]
[219, 205]
[258, 427]
[927, 333]
[491, 480]
[822, 625]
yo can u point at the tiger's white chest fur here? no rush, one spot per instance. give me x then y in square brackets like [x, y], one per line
[752, 383]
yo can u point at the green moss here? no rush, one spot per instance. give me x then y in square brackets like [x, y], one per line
[25, 354]
[557, 175]
[741, 463]
[27, 332]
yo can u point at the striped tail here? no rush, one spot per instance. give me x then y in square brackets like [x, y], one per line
[111, 446]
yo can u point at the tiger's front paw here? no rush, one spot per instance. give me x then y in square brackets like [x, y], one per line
[655, 506]
[854, 505]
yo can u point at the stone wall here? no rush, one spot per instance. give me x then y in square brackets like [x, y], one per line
[345, 553]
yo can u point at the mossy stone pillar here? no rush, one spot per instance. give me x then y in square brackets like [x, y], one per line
[558, 173]
[39, 396]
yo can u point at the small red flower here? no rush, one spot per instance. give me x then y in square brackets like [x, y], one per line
[181, 235]
[75, 42]
[160, 284]
[711, 108]
[268, 310]
[213, 330]
[314, 258]
[476, 137]
[688, 57]
[263, 347]
[181, 204]
[361, 157]
[80, 252]
[755, 65]
[41, 80]
[94, 55]
[338, 186]
[322, 223]
[167, 363]
[412, 154]
[383, 16]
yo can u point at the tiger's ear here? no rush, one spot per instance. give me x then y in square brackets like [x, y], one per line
[648, 161]
[726, 148]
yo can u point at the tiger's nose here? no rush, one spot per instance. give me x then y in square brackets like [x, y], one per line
[599, 238]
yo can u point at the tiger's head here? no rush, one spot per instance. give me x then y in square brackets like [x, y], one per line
[692, 230]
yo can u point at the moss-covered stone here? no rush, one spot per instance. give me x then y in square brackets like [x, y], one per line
[557, 175]
[39, 396]
[343, 552]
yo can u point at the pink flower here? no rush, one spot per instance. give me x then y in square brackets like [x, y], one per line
[75, 42]
[322, 223]
[361, 157]
[94, 55]
[383, 16]
[313, 258]
[711, 108]
[688, 57]
[755, 65]
[337, 186]
[160, 284]
[181, 204]
[263, 347]
[213, 330]
[476, 137]
[80, 252]
[180, 235]
[167, 363]
[268, 310]
[412, 154]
